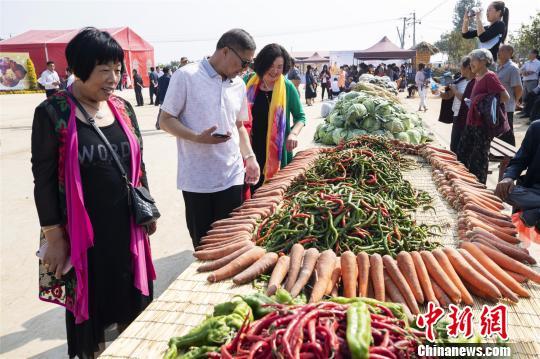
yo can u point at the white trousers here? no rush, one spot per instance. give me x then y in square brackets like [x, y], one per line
[422, 92]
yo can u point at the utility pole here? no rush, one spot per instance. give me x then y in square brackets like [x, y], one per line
[414, 22]
[401, 35]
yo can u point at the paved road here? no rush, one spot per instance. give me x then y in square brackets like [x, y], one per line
[33, 329]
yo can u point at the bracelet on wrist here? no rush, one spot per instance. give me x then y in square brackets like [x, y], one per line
[46, 229]
[248, 156]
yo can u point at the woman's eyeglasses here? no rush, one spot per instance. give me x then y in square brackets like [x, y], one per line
[245, 63]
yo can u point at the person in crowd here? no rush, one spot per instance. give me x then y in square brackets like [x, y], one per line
[153, 87]
[494, 34]
[124, 80]
[428, 72]
[159, 72]
[138, 86]
[460, 89]
[272, 100]
[390, 72]
[311, 86]
[525, 194]
[420, 81]
[213, 143]
[508, 73]
[530, 71]
[79, 191]
[532, 105]
[163, 85]
[335, 86]
[316, 73]
[50, 80]
[326, 82]
[473, 148]
[334, 69]
[184, 61]
[70, 78]
[363, 69]
[354, 73]
[341, 78]
[294, 75]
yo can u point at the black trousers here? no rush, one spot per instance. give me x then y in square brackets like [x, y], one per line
[509, 137]
[138, 96]
[455, 136]
[328, 90]
[202, 209]
[153, 91]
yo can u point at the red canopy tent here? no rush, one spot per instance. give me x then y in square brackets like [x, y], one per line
[384, 50]
[50, 45]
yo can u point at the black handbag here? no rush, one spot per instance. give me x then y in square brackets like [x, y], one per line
[446, 115]
[142, 205]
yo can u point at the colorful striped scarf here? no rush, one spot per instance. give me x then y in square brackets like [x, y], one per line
[276, 122]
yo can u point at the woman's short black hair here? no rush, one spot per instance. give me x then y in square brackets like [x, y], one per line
[421, 66]
[91, 47]
[268, 55]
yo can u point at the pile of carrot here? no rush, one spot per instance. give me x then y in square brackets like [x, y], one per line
[488, 263]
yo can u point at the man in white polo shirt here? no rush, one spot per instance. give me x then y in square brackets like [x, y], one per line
[205, 108]
[50, 80]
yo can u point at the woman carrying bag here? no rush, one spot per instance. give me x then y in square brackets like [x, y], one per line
[89, 178]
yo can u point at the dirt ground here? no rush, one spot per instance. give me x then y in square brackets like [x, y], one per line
[30, 328]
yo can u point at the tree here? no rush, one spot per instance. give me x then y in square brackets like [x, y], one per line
[32, 77]
[527, 37]
[459, 10]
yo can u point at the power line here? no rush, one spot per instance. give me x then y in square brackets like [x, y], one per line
[306, 31]
[435, 8]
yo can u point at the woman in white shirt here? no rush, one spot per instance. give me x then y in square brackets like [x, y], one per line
[420, 80]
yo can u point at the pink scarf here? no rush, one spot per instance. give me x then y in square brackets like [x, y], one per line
[79, 228]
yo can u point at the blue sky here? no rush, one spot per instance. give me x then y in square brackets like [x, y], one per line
[192, 27]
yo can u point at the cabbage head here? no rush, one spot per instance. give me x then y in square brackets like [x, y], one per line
[321, 130]
[370, 124]
[351, 95]
[414, 136]
[355, 112]
[339, 135]
[369, 105]
[402, 136]
[336, 120]
[394, 126]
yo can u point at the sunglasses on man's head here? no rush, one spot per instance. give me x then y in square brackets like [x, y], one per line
[245, 63]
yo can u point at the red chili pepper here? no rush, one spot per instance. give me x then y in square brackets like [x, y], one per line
[372, 179]
[343, 222]
[301, 215]
[384, 211]
[397, 232]
[307, 240]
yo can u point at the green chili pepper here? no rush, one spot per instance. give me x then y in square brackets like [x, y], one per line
[198, 352]
[358, 330]
[212, 330]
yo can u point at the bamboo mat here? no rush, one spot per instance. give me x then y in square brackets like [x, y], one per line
[190, 297]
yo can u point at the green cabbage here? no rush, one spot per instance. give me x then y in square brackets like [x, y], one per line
[370, 124]
[370, 105]
[351, 95]
[355, 112]
[394, 126]
[402, 136]
[339, 135]
[414, 136]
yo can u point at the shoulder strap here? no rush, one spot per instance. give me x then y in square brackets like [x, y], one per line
[92, 122]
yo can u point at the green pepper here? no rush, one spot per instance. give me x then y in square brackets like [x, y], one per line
[358, 330]
[257, 302]
[198, 352]
[212, 330]
[282, 296]
[172, 352]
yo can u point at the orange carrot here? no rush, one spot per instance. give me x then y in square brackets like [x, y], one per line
[349, 274]
[448, 268]
[237, 265]
[323, 270]
[376, 274]
[393, 294]
[362, 259]
[406, 266]
[508, 263]
[518, 277]
[310, 259]
[334, 280]
[392, 269]
[505, 291]
[495, 269]
[296, 253]
[278, 274]
[440, 277]
[218, 263]
[423, 277]
[261, 266]
[441, 296]
[208, 254]
[471, 276]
